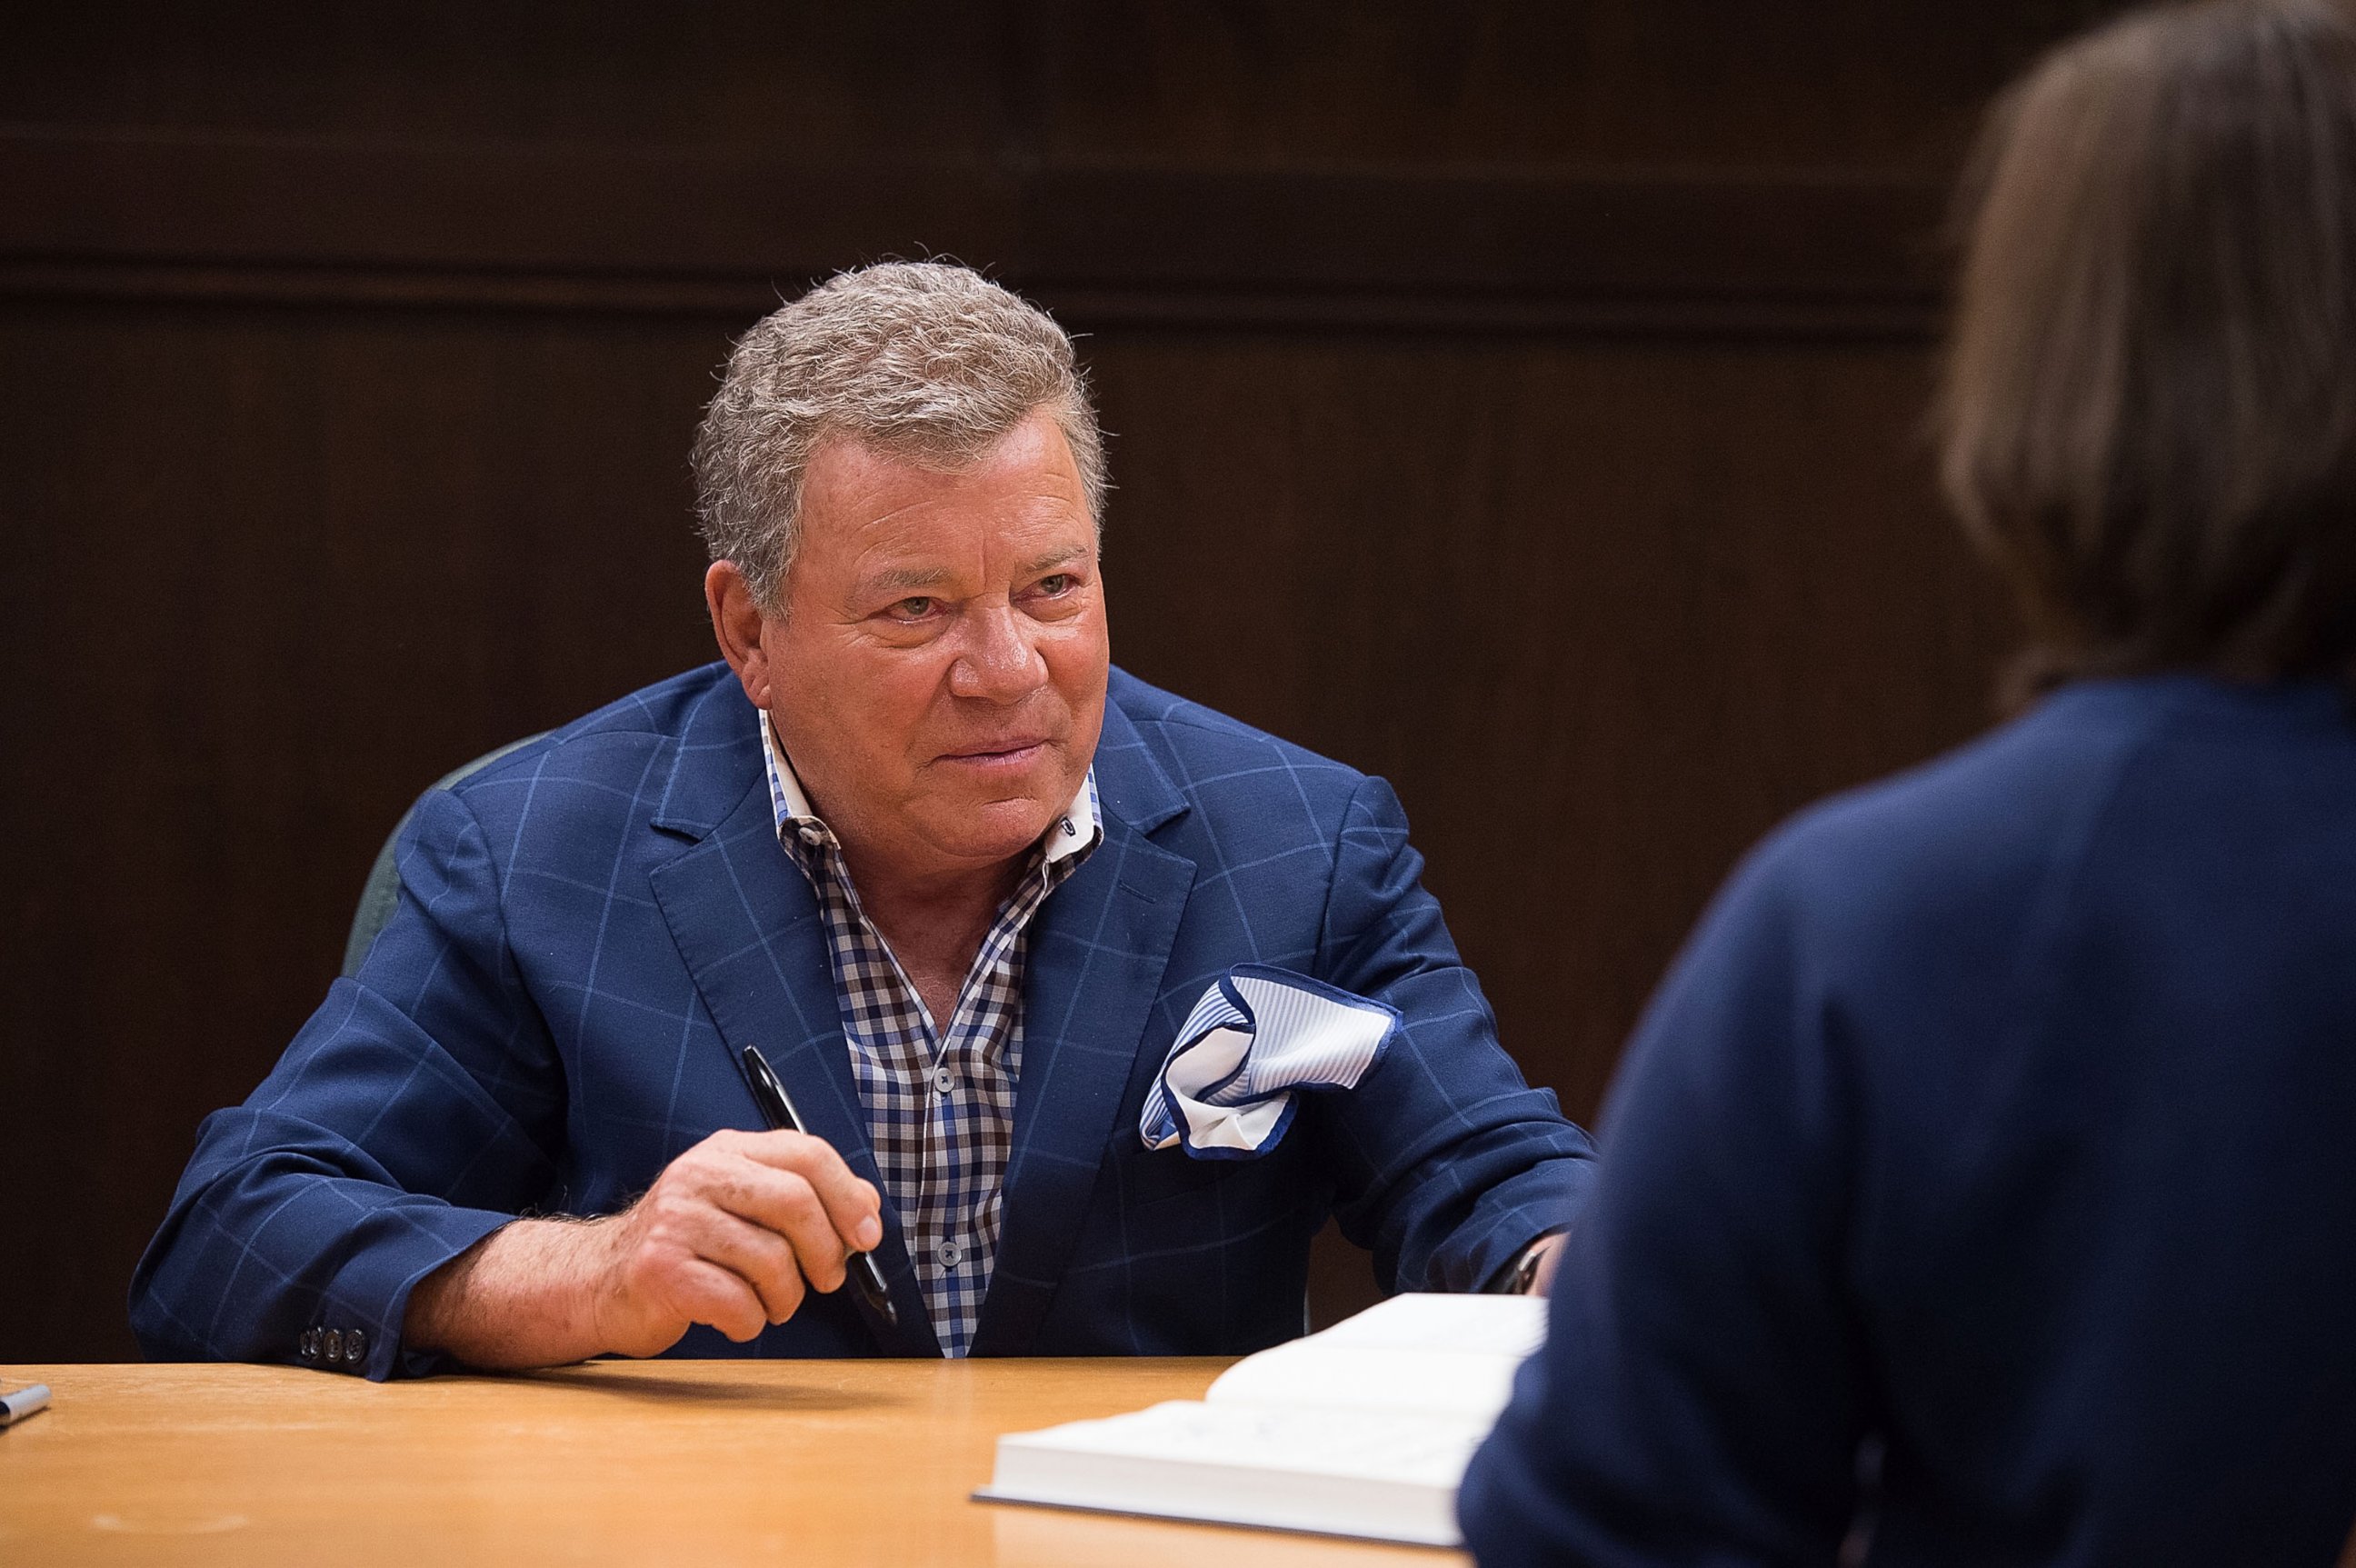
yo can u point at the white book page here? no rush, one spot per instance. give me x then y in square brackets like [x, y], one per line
[1387, 1477]
[1362, 1430]
[1511, 1326]
[1448, 1356]
[1407, 1451]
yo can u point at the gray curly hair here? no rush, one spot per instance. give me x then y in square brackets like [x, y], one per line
[925, 362]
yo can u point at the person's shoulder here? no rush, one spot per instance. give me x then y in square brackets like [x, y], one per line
[1144, 704]
[612, 748]
[1979, 827]
[1213, 759]
[670, 708]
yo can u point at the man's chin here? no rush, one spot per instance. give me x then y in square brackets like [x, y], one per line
[983, 830]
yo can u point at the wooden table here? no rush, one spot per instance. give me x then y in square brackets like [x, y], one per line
[707, 1463]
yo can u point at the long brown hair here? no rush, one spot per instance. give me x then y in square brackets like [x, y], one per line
[2148, 415]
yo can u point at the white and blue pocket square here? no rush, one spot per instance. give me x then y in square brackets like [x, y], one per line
[1227, 1089]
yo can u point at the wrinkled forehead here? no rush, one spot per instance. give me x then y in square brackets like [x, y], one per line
[1036, 448]
[867, 510]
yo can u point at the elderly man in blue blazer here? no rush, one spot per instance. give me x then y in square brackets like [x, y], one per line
[965, 885]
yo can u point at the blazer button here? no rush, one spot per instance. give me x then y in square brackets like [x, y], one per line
[333, 1347]
[355, 1347]
[306, 1344]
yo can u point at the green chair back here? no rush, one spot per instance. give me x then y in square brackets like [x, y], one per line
[381, 892]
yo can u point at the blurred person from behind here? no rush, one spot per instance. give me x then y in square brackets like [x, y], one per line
[1980, 1187]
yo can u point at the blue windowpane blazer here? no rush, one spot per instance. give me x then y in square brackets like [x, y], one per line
[591, 928]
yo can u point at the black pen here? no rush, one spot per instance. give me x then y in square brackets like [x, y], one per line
[778, 1113]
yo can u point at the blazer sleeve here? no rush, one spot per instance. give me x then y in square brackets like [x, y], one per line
[1448, 1162]
[1700, 1398]
[418, 1111]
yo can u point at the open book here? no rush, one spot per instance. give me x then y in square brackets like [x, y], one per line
[1363, 1430]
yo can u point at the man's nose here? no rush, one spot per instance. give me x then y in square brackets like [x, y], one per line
[1001, 661]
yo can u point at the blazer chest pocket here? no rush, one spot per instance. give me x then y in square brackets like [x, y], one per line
[1150, 1176]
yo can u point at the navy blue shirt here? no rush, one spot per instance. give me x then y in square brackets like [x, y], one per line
[1982, 1182]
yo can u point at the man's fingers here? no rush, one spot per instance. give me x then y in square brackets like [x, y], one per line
[704, 1291]
[786, 1203]
[853, 1207]
[760, 1257]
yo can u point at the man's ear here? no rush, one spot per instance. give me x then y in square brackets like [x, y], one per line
[738, 627]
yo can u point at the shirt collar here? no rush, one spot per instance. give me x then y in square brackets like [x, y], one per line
[1074, 832]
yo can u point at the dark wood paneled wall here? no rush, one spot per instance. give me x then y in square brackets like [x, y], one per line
[1519, 400]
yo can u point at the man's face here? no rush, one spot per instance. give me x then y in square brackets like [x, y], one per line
[939, 670]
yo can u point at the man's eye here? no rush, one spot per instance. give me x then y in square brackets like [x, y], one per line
[1061, 583]
[915, 609]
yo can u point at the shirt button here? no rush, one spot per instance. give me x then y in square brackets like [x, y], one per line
[949, 1253]
[943, 1080]
[355, 1347]
[1070, 831]
[811, 835]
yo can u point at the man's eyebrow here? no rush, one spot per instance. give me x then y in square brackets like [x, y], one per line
[1064, 556]
[902, 579]
[920, 579]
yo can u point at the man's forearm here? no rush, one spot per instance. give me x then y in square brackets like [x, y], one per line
[524, 1296]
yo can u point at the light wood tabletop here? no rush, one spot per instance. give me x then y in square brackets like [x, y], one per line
[691, 1461]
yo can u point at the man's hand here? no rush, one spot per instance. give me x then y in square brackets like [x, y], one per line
[731, 1234]
[726, 1235]
[1531, 1271]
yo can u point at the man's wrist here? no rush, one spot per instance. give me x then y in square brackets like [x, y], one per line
[523, 1296]
[1525, 1270]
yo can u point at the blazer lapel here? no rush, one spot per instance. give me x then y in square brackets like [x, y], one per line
[1098, 950]
[749, 930]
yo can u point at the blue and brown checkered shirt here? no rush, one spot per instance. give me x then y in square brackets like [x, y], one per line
[941, 1105]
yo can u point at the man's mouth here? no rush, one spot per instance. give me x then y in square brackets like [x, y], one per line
[1009, 753]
